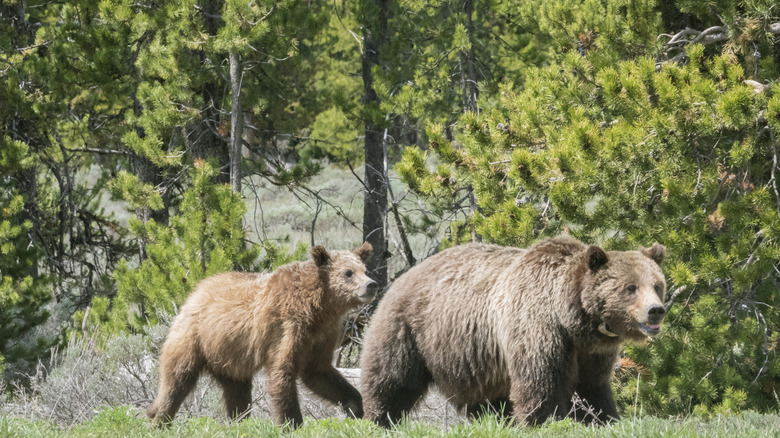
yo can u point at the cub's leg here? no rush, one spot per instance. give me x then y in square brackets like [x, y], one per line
[180, 367]
[237, 395]
[282, 372]
[328, 383]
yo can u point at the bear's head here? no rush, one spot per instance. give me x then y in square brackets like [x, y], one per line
[625, 291]
[345, 272]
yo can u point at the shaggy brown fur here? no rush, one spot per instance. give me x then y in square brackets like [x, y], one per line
[514, 329]
[288, 321]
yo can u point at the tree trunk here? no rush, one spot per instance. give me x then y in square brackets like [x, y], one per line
[147, 173]
[375, 198]
[205, 137]
[470, 95]
[468, 72]
[236, 123]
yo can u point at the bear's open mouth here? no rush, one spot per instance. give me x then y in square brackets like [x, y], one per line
[367, 296]
[650, 329]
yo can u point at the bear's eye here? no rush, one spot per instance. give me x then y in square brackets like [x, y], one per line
[631, 288]
[659, 289]
[348, 274]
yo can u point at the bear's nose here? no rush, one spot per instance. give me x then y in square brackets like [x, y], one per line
[371, 284]
[656, 313]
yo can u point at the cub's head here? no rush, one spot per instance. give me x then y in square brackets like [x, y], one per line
[346, 273]
[625, 291]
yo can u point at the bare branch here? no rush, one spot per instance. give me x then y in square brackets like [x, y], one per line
[772, 179]
[99, 151]
[317, 211]
[351, 169]
[675, 294]
[711, 35]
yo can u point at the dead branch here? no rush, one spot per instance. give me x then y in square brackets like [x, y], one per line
[711, 35]
[772, 179]
[672, 296]
[678, 41]
[99, 151]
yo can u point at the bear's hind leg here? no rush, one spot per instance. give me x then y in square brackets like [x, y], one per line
[394, 379]
[180, 367]
[173, 391]
[237, 395]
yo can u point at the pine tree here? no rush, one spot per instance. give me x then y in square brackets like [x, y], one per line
[204, 237]
[23, 293]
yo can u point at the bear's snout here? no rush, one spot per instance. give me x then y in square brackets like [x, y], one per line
[655, 314]
[653, 317]
[369, 293]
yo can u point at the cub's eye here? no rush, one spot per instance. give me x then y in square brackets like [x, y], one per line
[631, 288]
[659, 288]
[348, 274]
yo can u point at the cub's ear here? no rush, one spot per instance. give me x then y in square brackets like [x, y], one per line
[657, 252]
[320, 256]
[364, 252]
[596, 257]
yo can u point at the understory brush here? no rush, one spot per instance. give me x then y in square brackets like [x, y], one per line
[86, 377]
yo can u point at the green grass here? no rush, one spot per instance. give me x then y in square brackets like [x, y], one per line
[128, 422]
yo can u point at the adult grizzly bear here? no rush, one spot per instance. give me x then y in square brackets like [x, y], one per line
[522, 329]
[288, 321]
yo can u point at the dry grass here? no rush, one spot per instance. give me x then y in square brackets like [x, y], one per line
[84, 378]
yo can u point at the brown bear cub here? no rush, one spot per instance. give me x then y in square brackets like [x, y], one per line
[288, 322]
[512, 330]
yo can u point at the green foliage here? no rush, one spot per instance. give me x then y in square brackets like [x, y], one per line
[334, 136]
[623, 153]
[276, 255]
[23, 293]
[204, 238]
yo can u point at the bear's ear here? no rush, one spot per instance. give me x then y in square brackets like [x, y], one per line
[320, 256]
[657, 252]
[597, 258]
[364, 252]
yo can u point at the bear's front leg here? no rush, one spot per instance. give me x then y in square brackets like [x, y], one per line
[328, 383]
[284, 397]
[282, 372]
[541, 382]
[593, 387]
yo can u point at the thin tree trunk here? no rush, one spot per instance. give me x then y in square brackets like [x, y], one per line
[147, 173]
[236, 123]
[468, 73]
[375, 198]
[204, 136]
[470, 94]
